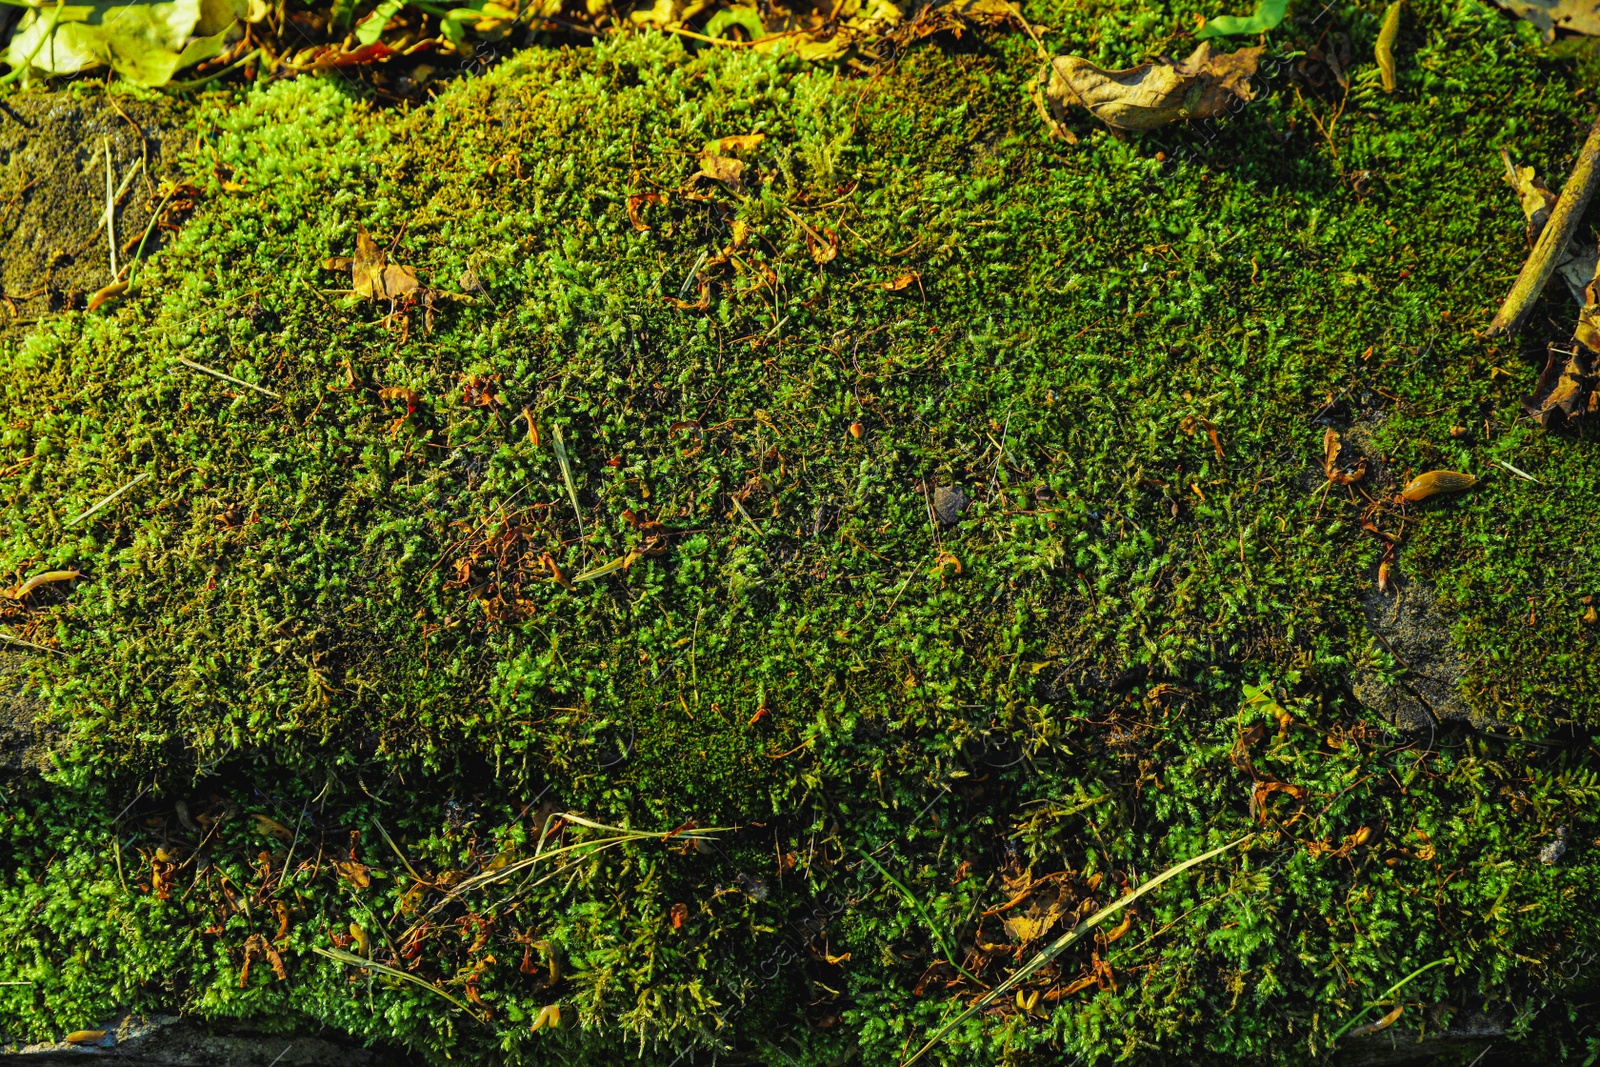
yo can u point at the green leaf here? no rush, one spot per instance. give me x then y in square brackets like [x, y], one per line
[1267, 15]
[747, 17]
[339, 18]
[145, 42]
[371, 27]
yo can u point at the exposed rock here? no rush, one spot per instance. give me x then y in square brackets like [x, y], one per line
[23, 744]
[1410, 625]
[53, 252]
[949, 501]
[170, 1041]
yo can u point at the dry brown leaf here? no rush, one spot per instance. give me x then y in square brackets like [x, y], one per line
[1033, 925]
[373, 277]
[725, 169]
[1382, 1024]
[1578, 16]
[1153, 94]
[266, 824]
[354, 872]
[699, 305]
[901, 282]
[1533, 194]
[637, 201]
[824, 246]
[743, 142]
[1331, 447]
[1566, 391]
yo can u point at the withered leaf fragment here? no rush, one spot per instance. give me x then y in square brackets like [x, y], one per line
[637, 201]
[1566, 389]
[1331, 447]
[1534, 195]
[373, 277]
[1153, 94]
[824, 247]
[1579, 16]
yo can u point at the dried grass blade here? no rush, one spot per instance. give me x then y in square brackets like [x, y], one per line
[203, 369]
[360, 961]
[106, 501]
[1064, 942]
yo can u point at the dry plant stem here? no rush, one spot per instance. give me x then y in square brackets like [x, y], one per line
[1564, 218]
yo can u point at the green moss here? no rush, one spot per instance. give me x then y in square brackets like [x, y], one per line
[274, 620]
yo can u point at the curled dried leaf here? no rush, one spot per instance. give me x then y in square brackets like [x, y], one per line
[724, 169]
[901, 282]
[639, 200]
[1533, 194]
[1153, 94]
[266, 824]
[1331, 448]
[742, 142]
[1382, 1024]
[699, 305]
[354, 872]
[400, 392]
[824, 247]
[1425, 485]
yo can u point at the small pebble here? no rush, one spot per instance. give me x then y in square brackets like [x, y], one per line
[1557, 848]
[949, 501]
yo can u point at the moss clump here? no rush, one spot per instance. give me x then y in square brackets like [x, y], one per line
[337, 605]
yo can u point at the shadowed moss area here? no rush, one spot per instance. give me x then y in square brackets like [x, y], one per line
[388, 575]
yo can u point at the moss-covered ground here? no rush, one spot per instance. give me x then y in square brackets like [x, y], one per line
[318, 670]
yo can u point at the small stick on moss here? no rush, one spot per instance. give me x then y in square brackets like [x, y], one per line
[105, 501]
[111, 212]
[203, 369]
[8, 639]
[1553, 239]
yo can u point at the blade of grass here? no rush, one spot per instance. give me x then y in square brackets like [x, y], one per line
[1064, 942]
[618, 564]
[927, 919]
[566, 475]
[1391, 991]
[401, 855]
[358, 961]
